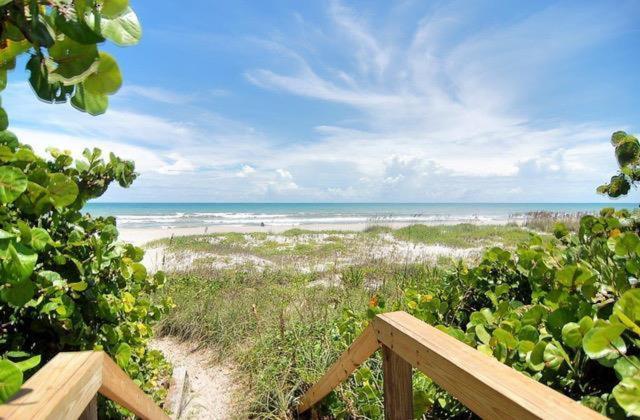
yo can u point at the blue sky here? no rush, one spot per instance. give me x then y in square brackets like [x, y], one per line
[331, 101]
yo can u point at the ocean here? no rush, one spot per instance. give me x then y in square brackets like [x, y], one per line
[175, 215]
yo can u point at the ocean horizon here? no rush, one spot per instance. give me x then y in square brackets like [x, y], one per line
[177, 215]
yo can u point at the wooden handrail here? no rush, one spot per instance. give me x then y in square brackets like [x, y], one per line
[67, 384]
[487, 387]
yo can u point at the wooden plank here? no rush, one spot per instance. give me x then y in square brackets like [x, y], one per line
[486, 386]
[398, 388]
[91, 410]
[361, 349]
[118, 387]
[60, 390]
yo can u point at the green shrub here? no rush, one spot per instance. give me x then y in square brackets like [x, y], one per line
[68, 283]
[565, 312]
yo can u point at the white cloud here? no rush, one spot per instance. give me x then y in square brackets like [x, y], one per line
[245, 171]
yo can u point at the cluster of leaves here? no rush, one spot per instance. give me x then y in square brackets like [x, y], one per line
[563, 310]
[67, 283]
[627, 151]
[62, 37]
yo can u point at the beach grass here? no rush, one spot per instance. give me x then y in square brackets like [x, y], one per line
[276, 322]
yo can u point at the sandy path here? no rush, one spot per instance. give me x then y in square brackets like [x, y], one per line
[212, 385]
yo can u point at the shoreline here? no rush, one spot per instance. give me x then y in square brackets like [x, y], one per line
[141, 236]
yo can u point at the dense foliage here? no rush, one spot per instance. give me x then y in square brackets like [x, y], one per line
[68, 283]
[62, 38]
[565, 311]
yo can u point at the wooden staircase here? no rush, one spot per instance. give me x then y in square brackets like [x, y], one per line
[66, 387]
[487, 387]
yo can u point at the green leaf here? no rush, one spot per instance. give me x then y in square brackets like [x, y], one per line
[627, 366]
[10, 380]
[123, 355]
[74, 61]
[529, 333]
[19, 293]
[9, 139]
[39, 238]
[557, 319]
[77, 29]
[79, 286]
[571, 335]
[13, 182]
[92, 103]
[4, 119]
[39, 80]
[535, 359]
[30, 363]
[627, 394]
[107, 79]
[553, 356]
[604, 341]
[482, 334]
[505, 337]
[20, 261]
[124, 30]
[113, 8]
[62, 189]
[627, 309]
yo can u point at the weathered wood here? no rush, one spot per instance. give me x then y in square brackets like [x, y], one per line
[60, 390]
[361, 349]
[118, 387]
[64, 387]
[486, 386]
[398, 388]
[483, 384]
[91, 410]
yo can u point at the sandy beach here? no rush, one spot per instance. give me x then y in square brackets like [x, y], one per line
[141, 236]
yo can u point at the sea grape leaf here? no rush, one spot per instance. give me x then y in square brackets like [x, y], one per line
[89, 102]
[627, 309]
[505, 337]
[74, 61]
[19, 293]
[557, 319]
[482, 334]
[123, 355]
[535, 359]
[604, 341]
[39, 80]
[553, 356]
[529, 333]
[627, 394]
[107, 79]
[62, 190]
[627, 366]
[571, 335]
[123, 30]
[10, 379]
[113, 8]
[20, 261]
[39, 238]
[13, 182]
[77, 29]
[29, 363]
[4, 119]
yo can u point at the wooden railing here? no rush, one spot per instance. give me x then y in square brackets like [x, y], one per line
[483, 384]
[66, 387]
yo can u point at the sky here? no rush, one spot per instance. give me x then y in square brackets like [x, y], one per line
[361, 101]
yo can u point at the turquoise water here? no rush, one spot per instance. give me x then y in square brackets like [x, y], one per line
[136, 215]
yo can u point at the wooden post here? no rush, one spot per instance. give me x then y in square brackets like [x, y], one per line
[91, 411]
[398, 388]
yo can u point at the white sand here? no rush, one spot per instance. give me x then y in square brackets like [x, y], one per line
[141, 236]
